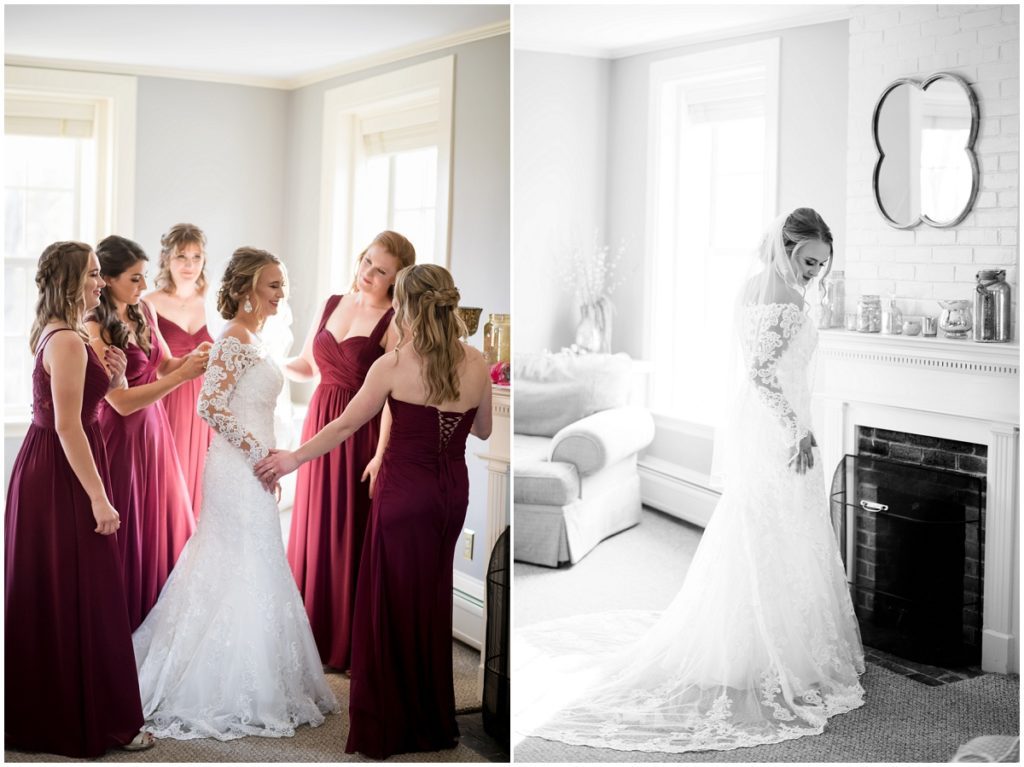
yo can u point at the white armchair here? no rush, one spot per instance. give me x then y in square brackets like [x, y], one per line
[576, 446]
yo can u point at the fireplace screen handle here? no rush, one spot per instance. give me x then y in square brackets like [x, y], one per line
[872, 506]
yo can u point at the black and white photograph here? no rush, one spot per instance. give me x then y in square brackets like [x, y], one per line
[766, 392]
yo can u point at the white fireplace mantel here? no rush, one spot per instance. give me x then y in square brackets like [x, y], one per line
[950, 388]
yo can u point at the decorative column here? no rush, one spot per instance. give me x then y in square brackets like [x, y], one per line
[999, 644]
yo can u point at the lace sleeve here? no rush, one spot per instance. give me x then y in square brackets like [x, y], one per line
[772, 328]
[229, 359]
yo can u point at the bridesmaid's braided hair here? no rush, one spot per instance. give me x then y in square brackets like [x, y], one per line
[171, 244]
[240, 278]
[428, 301]
[60, 278]
[116, 254]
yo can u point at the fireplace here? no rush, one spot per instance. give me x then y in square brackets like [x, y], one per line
[914, 574]
[869, 388]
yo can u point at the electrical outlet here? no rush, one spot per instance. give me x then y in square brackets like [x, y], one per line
[468, 537]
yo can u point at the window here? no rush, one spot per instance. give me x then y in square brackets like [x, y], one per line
[712, 170]
[387, 150]
[65, 178]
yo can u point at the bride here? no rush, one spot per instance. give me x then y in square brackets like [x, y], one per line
[761, 643]
[227, 651]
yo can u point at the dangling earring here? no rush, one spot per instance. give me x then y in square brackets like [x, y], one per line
[247, 306]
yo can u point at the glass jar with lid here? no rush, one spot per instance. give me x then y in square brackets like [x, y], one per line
[869, 313]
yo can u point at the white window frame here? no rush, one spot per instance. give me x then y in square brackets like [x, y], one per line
[114, 98]
[341, 149]
[681, 70]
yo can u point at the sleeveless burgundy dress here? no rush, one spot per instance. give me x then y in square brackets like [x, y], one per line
[332, 504]
[402, 695]
[69, 668]
[147, 487]
[191, 433]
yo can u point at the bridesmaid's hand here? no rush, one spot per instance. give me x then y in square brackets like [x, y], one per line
[194, 365]
[116, 362]
[371, 472]
[107, 518]
[274, 466]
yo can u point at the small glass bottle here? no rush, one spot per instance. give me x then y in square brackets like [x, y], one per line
[892, 318]
[869, 314]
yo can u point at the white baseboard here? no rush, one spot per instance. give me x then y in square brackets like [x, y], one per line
[677, 491]
[468, 622]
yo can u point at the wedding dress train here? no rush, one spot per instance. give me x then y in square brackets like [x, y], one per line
[761, 643]
[227, 651]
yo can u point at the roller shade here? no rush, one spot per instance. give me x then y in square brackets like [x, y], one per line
[31, 117]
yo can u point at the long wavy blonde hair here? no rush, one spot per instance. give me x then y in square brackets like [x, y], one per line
[60, 278]
[171, 244]
[395, 244]
[428, 303]
[240, 278]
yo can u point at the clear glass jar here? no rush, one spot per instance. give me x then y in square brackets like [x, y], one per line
[837, 297]
[498, 338]
[869, 314]
[992, 307]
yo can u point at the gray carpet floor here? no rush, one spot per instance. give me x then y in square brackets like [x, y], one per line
[325, 743]
[902, 720]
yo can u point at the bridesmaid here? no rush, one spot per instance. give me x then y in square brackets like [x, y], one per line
[179, 305]
[332, 500]
[69, 668]
[402, 695]
[147, 487]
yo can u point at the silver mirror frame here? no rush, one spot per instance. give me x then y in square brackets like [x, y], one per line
[969, 148]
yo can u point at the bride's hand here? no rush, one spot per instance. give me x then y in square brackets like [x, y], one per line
[274, 466]
[803, 457]
[370, 472]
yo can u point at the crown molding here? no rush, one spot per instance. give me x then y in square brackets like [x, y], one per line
[279, 83]
[819, 16]
[429, 46]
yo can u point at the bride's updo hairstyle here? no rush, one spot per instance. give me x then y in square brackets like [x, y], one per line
[395, 244]
[176, 239]
[804, 225]
[240, 278]
[428, 301]
[60, 278]
[116, 254]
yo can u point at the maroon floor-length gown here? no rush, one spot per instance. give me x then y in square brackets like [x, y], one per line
[69, 669]
[147, 487]
[192, 434]
[402, 695]
[332, 503]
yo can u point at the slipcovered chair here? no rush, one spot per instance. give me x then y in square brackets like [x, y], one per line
[575, 445]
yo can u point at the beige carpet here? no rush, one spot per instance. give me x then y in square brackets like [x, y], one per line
[310, 744]
[902, 720]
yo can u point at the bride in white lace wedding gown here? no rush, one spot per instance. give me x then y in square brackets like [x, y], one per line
[761, 643]
[227, 651]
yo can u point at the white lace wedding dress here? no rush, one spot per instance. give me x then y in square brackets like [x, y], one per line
[761, 643]
[227, 651]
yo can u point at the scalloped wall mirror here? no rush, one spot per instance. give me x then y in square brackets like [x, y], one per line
[924, 132]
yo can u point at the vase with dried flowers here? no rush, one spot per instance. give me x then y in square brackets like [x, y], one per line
[591, 276]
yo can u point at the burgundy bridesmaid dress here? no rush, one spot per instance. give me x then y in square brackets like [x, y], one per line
[147, 487]
[69, 669]
[402, 696]
[332, 503]
[191, 433]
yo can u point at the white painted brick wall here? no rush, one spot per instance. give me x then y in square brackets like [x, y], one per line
[981, 43]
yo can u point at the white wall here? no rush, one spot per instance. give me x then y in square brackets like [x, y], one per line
[480, 202]
[561, 140]
[812, 137]
[212, 155]
[982, 45]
